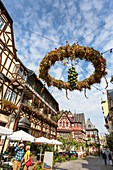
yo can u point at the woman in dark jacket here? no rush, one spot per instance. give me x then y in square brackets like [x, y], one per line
[104, 158]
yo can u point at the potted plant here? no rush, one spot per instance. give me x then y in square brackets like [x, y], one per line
[8, 105]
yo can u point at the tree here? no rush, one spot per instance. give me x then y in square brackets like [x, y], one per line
[109, 138]
[69, 143]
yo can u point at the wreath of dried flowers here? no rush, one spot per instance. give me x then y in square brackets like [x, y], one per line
[73, 52]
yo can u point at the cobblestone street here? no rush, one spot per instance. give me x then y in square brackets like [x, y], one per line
[90, 163]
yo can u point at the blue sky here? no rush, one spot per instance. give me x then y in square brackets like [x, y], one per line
[88, 22]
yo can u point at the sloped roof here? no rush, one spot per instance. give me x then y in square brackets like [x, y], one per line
[80, 117]
[5, 11]
[89, 125]
[24, 120]
[76, 118]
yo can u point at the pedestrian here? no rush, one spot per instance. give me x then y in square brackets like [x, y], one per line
[104, 157]
[27, 158]
[13, 150]
[18, 157]
[101, 153]
[110, 158]
[6, 154]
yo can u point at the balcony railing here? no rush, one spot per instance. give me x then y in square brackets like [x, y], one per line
[30, 109]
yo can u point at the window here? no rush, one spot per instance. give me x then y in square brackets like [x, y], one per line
[8, 94]
[89, 126]
[13, 98]
[21, 71]
[76, 136]
[16, 67]
[2, 23]
[66, 124]
[60, 124]
[25, 76]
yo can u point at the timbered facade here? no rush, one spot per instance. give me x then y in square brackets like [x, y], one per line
[25, 103]
[72, 125]
[107, 108]
[92, 133]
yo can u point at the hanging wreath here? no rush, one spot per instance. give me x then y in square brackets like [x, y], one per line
[73, 52]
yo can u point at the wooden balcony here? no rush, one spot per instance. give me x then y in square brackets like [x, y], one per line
[17, 80]
[29, 109]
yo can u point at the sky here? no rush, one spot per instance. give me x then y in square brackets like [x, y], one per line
[43, 25]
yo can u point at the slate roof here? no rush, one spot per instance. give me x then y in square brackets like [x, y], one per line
[24, 120]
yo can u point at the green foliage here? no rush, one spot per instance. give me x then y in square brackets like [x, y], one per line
[39, 166]
[63, 159]
[97, 145]
[49, 148]
[68, 143]
[109, 138]
[72, 77]
[57, 160]
[73, 157]
[60, 158]
[28, 143]
[67, 157]
[9, 105]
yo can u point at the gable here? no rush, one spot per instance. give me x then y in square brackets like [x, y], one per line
[6, 30]
[64, 118]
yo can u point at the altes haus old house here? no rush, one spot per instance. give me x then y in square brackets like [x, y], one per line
[24, 101]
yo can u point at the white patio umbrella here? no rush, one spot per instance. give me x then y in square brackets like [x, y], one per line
[55, 142]
[21, 135]
[42, 140]
[5, 131]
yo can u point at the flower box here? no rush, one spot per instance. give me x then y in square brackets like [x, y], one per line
[8, 105]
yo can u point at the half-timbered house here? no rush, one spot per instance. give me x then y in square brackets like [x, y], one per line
[25, 103]
[92, 136]
[72, 125]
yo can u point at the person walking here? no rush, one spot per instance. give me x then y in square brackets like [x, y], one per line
[104, 157]
[27, 157]
[110, 158]
[18, 157]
